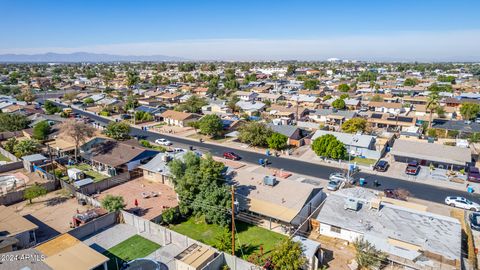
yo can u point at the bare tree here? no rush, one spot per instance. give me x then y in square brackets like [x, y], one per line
[78, 131]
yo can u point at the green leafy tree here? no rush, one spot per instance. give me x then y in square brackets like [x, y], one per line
[170, 216]
[291, 70]
[13, 122]
[445, 78]
[41, 130]
[410, 82]
[10, 144]
[367, 256]
[113, 203]
[131, 103]
[311, 84]
[143, 116]
[469, 110]
[288, 255]
[33, 192]
[51, 108]
[224, 241]
[254, 133]
[343, 87]
[277, 141]
[210, 125]
[354, 125]
[232, 104]
[327, 97]
[440, 88]
[194, 124]
[193, 104]
[25, 148]
[118, 130]
[339, 104]
[329, 146]
[201, 187]
[132, 78]
[88, 101]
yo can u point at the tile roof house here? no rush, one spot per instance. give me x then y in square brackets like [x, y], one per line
[180, 119]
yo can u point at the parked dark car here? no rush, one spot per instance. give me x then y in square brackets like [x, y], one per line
[231, 155]
[475, 221]
[412, 168]
[381, 166]
[473, 174]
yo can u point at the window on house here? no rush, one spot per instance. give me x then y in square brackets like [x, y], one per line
[335, 229]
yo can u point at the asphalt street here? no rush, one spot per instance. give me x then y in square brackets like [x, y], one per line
[416, 189]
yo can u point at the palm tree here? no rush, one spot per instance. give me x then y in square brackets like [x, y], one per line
[432, 105]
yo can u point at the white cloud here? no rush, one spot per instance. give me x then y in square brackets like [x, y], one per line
[403, 46]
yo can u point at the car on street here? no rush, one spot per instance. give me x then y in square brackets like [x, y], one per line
[334, 185]
[381, 166]
[163, 142]
[461, 202]
[231, 155]
[413, 168]
[341, 177]
[473, 174]
[474, 221]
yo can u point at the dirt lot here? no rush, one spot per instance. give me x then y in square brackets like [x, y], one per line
[51, 213]
[150, 207]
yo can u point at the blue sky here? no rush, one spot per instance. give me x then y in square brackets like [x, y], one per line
[247, 30]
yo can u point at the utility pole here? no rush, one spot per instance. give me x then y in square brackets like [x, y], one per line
[233, 220]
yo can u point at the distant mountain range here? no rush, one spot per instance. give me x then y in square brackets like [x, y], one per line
[83, 57]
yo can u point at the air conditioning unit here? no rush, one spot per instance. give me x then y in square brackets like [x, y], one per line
[351, 204]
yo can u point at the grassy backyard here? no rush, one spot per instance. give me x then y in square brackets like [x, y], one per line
[89, 172]
[133, 248]
[249, 236]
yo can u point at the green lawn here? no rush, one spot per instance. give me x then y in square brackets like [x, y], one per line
[249, 236]
[133, 248]
[4, 158]
[89, 172]
[364, 161]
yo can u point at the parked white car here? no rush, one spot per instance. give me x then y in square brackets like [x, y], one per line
[341, 177]
[461, 202]
[163, 142]
[334, 185]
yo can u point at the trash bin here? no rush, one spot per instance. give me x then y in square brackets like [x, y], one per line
[361, 181]
[260, 161]
[267, 153]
